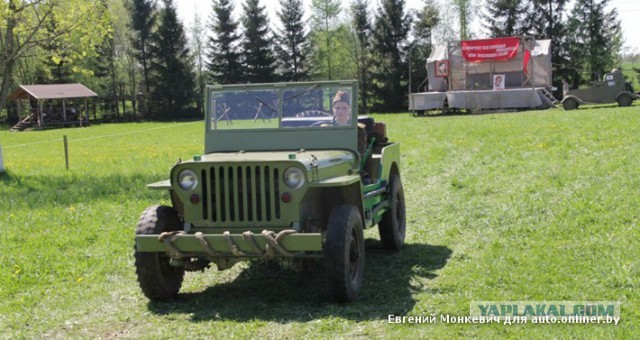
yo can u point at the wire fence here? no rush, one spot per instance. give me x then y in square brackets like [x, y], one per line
[100, 137]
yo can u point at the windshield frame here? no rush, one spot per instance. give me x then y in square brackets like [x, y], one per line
[289, 133]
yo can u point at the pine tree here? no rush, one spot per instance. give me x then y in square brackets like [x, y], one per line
[426, 20]
[595, 39]
[504, 18]
[363, 31]
[390, 36]
[545, 21]
[545, 18]
[173, 79]
[292, 45]
[143, 18]
[224, 57]
[466, 10]
[324, 15]
[198, 42]
[57, 56]
[105, 75]
[257, 49]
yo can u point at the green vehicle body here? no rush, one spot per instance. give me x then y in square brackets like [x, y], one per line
[612, 89]
[275, 175]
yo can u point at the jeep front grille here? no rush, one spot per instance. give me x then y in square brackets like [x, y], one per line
[241, 194]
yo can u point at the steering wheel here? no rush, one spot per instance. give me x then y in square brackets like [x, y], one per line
[313, 113]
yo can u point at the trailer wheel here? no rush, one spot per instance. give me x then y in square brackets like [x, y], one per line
[624, 100]
[158, 279]
[570, 104]
[344, 253]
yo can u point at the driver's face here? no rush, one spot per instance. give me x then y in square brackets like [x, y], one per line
[342, 113]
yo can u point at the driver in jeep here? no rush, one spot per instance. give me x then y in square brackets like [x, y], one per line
[341, 105]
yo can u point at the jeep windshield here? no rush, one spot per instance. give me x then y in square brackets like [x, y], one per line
[281, 106]
[281, 116]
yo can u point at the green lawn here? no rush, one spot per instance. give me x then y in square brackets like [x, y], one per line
[529, 206]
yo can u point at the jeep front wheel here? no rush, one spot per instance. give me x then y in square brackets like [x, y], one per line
[392, 227]
[344, 253]
[158, 279]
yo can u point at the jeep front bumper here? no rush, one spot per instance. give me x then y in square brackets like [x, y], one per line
[178, 245]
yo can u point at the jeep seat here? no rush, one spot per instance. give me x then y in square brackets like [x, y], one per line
[368, 123]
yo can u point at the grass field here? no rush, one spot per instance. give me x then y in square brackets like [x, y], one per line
[529, 206]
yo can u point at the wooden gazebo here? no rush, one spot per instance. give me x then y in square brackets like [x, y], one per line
[41, 93]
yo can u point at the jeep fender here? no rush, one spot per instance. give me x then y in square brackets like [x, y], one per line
[390, 161]
[348, 191]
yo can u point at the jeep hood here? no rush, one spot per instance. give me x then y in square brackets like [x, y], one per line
[309, 158]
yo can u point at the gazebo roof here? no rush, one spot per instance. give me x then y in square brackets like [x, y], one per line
[52, 91]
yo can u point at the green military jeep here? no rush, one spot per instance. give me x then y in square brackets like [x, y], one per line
[283, 177]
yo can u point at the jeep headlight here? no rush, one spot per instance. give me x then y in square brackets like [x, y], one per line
[187, 179]
[293, 177]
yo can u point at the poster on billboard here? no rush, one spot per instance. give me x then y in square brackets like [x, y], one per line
[442, 68]
[498, 82]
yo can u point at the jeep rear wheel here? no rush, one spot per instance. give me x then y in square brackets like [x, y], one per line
[344, 253]
[158, 279]
[624, 100]
[393, 226]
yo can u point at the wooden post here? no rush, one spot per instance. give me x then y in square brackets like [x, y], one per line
[40, 116]
[86, 110]
[66, 152]
[64, 110]
[1, 164]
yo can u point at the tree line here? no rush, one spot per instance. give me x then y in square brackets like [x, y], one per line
[135, 53]
[586, 38]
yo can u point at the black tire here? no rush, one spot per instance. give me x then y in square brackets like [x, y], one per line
[344, 253]
[624, 100]
[158, 279]
[393, 226]
[570, 104]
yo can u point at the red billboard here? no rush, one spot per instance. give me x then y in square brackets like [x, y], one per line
[498, 49]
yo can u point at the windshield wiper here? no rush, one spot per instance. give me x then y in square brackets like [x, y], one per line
[305, 91]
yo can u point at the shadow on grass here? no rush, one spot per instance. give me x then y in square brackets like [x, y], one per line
[5, 177]
[262, 292]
